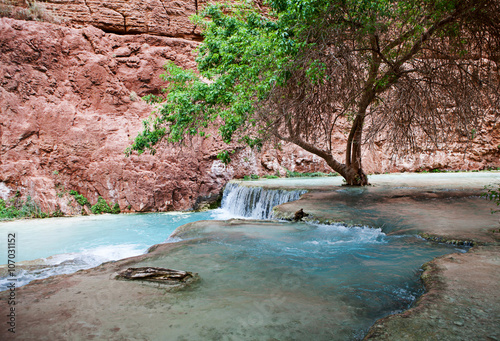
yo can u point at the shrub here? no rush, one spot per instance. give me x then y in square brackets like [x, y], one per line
[35, 11]
[115, 209]
[80, 199]
[100, 207]
[20, 209]
[291, 174]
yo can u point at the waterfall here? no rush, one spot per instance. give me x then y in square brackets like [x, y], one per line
[255, 202]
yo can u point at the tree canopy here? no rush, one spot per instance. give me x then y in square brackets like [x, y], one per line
[294, 69]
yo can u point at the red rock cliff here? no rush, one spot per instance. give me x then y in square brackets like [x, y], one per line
[70, 105]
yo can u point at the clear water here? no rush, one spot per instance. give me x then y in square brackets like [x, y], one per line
[447, 181]
[66, 245]
[260, 280]
[292, 281]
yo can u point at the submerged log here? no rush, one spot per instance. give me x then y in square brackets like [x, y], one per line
[161, 276]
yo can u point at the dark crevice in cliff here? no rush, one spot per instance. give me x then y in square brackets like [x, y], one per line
[191, 37]
[86, 4]
[90, 42]
[163, 4]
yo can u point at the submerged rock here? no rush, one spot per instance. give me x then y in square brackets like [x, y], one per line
[173, 279]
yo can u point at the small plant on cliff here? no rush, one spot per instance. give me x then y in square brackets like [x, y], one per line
[34, 11]
[115, 209]
[80, 199]
[101, 207]
[19, 208]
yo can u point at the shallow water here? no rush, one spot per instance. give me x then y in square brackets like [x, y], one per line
[292, 281]
[259, 280]
[69, 244]
[449, 181]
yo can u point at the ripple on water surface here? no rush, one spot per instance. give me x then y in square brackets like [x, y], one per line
[293, 281]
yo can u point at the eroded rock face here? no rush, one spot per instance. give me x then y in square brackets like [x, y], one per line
[70, 105]
[157, 17]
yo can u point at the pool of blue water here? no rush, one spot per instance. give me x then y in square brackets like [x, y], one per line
[292, 281]
[69, 244]
[260, 280]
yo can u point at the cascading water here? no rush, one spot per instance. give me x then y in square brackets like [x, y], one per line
[255, 202]
[261, 280]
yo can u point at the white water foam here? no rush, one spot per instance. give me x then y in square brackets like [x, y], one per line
[241, 201]
[337, 234]
[71, 262]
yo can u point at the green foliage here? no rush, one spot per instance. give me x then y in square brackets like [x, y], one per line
[251, 177]
[224, 156]
[57, 213]
[19, 208]
[241, 59]
[291, 174]
[271, 176]
[80, 198]
[103, 207]
[493, 194]
[116, 209]
[100, 207]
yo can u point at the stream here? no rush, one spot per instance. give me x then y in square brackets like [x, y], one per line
[260, 279]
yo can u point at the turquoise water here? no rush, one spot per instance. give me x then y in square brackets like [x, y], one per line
[69, 244]
[41, 238]
[292, 281]
[260, 280]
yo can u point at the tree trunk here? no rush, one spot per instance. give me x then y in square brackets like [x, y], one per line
[354, 174]
[355, 177]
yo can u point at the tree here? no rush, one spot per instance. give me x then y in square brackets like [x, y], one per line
[294, 70]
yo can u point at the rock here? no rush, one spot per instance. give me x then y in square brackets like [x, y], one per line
[163, 277]
[299, 215]
[67, 128]
[157, 17]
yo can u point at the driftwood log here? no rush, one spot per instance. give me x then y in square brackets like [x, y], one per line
[161, 276]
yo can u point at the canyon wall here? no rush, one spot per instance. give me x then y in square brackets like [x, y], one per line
[70, 104]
